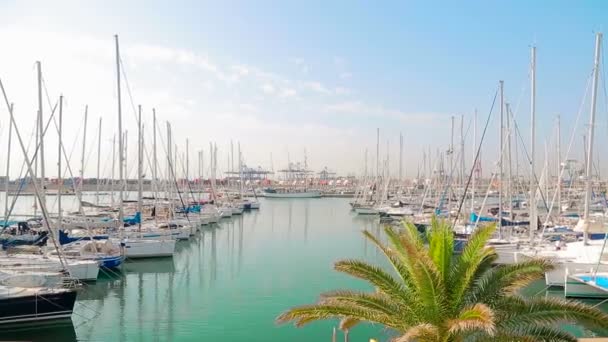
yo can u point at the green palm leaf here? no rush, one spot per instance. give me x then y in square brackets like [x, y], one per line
[466, 267]
[435, 296]
[506, 279]
[441, 247]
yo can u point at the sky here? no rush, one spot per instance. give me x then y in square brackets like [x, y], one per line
[290, 79]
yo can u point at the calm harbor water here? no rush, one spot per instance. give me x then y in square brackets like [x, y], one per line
[229, 282]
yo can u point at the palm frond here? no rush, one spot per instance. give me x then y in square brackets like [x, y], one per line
[305, 314]
[536, 333]
[394, 256]
[465, 267]
[376, 276]
[506, 279]
[441, 246]
[428, 283]
[477, 317]
[411, 233]
[421, 333]
[348, 323]
[372, 301]
[547, 311]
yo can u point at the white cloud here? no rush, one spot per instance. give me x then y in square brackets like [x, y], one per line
[342, 91]
[268, 88]
[316, 87]
[288, 92]
[364, 110]
[303, 67]
[345, 75]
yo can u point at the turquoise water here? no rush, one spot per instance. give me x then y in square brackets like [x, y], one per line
[230, 282]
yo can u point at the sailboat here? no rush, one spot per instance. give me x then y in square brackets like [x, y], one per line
[586, 254]
[135, 246]
[25, 295]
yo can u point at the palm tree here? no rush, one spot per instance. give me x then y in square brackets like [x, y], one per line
[434, 295]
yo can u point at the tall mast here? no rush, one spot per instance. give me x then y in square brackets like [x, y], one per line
[154, 164]
[30, 172]
[502, 139]
[112, 180]
[378, 152]
[509, 166]
[400, 157]
[59, 170]
[474, 154]
[589, 165]
[211, 171]
[200, 173]
[169, 156]
[140, 182]
[8, 169]
[559, 166]
[451, 153]
[98, 162]
[462, 155]
[82, 157]
[41, 132]
[365, 163]
[121, 213]
[546, 171]
[240, 170]
[187, 163]
[533, 214]
[125, 157]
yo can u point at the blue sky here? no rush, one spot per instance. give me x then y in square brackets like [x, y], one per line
[292, 75]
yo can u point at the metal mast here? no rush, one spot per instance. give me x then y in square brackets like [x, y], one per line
[121, 213]
[140, 182]
[532, 205]
[82, 157]
[59, 170]
[559, 166]
[500, 187]
[589, 165]
[98, 162]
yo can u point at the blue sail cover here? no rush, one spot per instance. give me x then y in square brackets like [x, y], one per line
[131, 220]
[5, 224]
[474, 218]
[504, 222]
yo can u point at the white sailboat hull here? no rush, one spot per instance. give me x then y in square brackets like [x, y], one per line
[84, 271]
[143, 248]
[576, 288]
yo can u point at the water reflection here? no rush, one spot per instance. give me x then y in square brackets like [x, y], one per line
[240, 251]
[62, 330]
[215, 286]
[306, 214]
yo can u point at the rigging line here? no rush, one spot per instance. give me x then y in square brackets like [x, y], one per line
[128, 86]
[604, 84]
[538, 188]
[16, 196]
[68, 159]
[475, 162]
[448, 186]
[570, 144]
